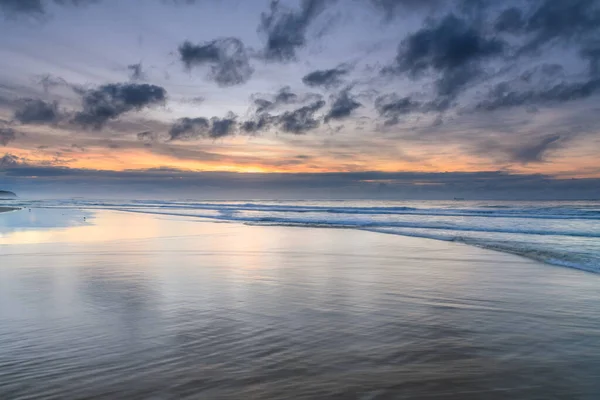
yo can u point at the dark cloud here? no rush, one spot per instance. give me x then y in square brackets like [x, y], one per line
[147, 136]
[36, 111]
[297, 121]
[525, 150]
[286, 29]
[7, 135]
[327, 78]
[455, 50]
[592, 54]
[78, 147]
[454, 80]
[546, 23]
[12, 7]
[452, 47]
[9, 161]
[260, 123]
[221, 127]
[535, 152]
[343, 105]
[450, 43]
[227, 57]
[25, 176]
[392, 107]
[510, 20]
[563, 20]
[508, 94]
[301, 120]
[196, 128]
[284, 96]
[189, 128]
[136, 72]
[263, 105]
[108, 102]
[36, 7]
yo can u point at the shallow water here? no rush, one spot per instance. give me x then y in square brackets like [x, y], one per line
[138, 306]
[565, 233]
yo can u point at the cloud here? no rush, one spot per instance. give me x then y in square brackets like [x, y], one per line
[221, 127]
[284, 96]
[521, 150]
[7, 135]
[189, 128]
[36, 7]
[508, 94]
[343, 105]
[327, 78]
[36, 111]
[195, 100]
[136, 72]
[562, 20]
[195, 128]
[200, 127]
[285, 29]
[546, 23]
[8, 161]
[296, 121]
[510, 20]
[263, 105]
[227, 57]
[592, 54]
[392, 107]
[445, 45]
[301, 120]
[78, 148]
[147, 136]
[259, 123]
[110, 101]
[452, 47]
[535, 152]
[49, 82]
[24, 176]
[393, 8]
[12, 7]
[453, 81]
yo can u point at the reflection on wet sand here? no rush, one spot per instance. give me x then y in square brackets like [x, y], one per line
[139, 306]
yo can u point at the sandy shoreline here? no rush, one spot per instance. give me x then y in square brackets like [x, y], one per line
[7, 209]
[306, 312]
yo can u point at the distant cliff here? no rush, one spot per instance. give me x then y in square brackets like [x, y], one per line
[5, 194]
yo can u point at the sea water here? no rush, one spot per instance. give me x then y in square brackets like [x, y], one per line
[559, 233]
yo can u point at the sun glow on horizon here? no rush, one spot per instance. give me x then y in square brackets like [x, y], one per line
[233, 160]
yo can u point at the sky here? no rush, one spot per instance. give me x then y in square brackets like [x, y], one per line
[301, 98]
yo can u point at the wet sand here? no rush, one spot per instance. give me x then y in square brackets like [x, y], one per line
[140, 306]
[7, 209]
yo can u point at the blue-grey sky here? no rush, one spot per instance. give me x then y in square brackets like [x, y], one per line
[466, 89]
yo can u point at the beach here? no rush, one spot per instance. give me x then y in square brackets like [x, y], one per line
[103, 304]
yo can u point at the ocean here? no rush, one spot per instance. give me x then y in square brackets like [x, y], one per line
[561, 233]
